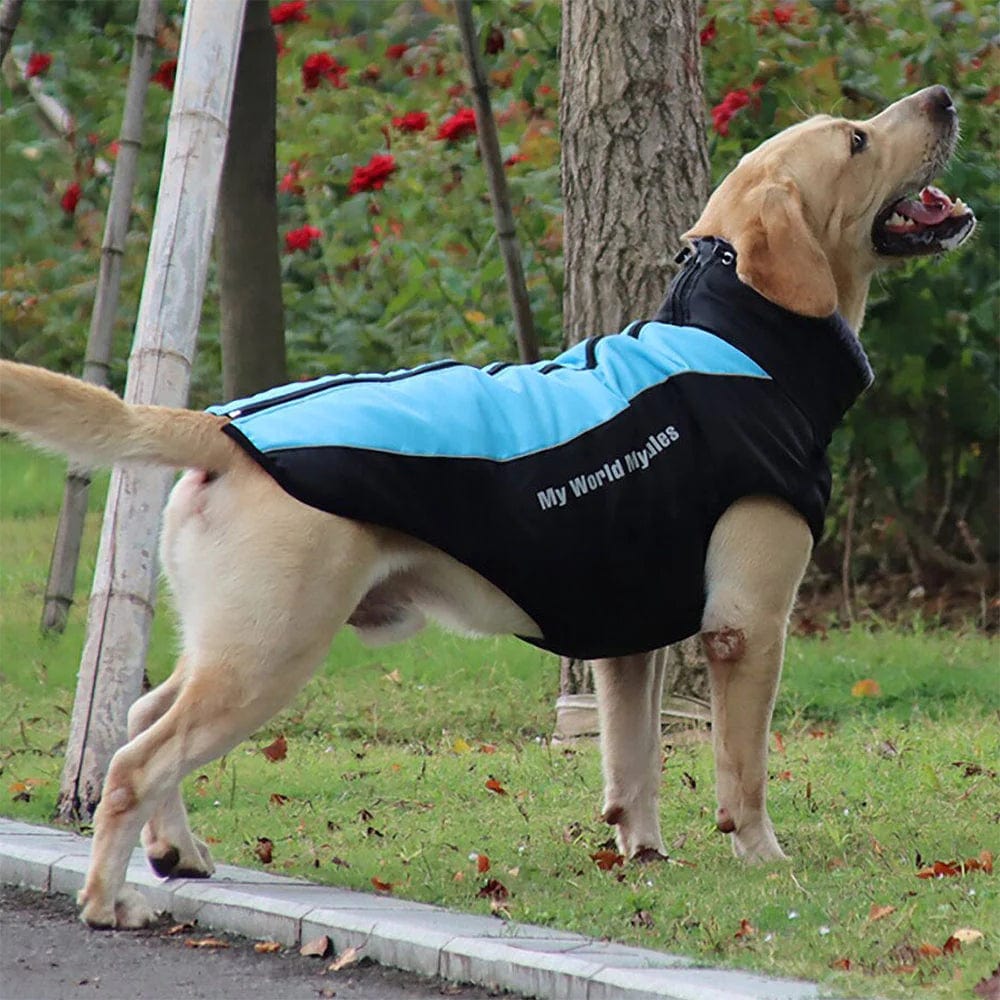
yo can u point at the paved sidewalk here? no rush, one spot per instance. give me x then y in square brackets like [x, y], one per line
[536, 961]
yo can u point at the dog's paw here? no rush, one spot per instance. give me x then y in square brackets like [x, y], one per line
[757, 845]
[129, 911]
[169, 862]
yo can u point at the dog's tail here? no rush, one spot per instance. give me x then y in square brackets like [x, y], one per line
[95, 428]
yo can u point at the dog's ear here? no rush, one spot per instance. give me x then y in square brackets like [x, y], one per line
[778, 255]
[776, 252]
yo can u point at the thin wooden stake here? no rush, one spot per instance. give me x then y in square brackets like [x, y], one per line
[489, 148]
[66, 550]
[10, 14]
[121, 605]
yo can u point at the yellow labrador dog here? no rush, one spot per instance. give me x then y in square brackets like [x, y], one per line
[761, 322]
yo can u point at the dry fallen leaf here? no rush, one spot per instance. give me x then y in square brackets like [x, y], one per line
[779, 742]
[394, 676]
[494, 786]
[277, 799]
[347, 957]
[487, 748]
[461, 746]
[317, 948]
[966, 935]
[267, 947]
[178, 929]
[866, 688]
[264, 850]
[930, 950]
[877, 912]
[841, 963]
[277, 750]
[495, 891]
[746, 929]
[381, 886]
[206, 942]
[606, 860]
[482, 863]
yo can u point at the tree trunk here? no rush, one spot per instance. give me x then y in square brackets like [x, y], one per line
[121, 603]
[61, 583]
[635, 173]
[246, 240]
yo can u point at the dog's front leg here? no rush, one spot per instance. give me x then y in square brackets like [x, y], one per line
[757, 555]
[628, 702]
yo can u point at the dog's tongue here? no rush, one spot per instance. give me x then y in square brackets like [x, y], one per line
[934, 207]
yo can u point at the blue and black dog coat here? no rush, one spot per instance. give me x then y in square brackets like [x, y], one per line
[586, 488]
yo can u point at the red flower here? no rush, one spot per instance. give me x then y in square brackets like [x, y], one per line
[289, 184]
[301, 239]
[783, 13]
[38, 63]
[70, 198]
[165, 74]
[113, 148]
[708, 33]
[412, 121]
[397, 51]
[458, 126]
[515, 159]
[322, 66]
[373, 175]
[291, 10]
[724, 111]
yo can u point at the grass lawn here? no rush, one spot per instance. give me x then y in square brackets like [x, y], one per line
[426, 767]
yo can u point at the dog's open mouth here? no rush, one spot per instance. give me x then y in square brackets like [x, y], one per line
[928, 223]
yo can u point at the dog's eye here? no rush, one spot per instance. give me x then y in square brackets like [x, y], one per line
[859, 141]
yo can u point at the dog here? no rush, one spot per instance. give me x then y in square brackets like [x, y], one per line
[268, 554]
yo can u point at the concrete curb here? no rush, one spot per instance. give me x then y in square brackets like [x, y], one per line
[536, 961]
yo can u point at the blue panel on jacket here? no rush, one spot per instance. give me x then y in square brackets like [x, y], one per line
[499, 413]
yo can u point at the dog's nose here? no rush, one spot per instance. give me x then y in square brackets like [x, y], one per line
[938, 104]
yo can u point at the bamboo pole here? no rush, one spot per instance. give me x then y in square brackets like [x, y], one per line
[503, 214]
[10, 14]
[66, 550]
[121, 604]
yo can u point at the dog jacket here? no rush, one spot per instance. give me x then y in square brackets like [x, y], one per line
[586, 488]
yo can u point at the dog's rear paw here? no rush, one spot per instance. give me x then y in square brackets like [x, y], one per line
[129, 911]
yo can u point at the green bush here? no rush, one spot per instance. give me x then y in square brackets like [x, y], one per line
[410, 270]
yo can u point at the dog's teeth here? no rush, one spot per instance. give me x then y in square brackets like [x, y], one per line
[958, 207]
[898, 221]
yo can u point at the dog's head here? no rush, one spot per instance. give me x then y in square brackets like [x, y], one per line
[814, 211]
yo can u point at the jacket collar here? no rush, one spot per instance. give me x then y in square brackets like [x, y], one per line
[819, 363]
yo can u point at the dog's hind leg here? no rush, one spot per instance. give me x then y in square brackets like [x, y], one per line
[628, 702]
[756, 558]
[173, 851]
[261, 585]
[222, 700]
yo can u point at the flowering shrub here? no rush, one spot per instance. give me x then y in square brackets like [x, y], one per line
[38, 64]
[70, 198]
[165, 74]
[322, 66]
[461, 124]
[373, 175]
[302, 238]
[389, 246]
